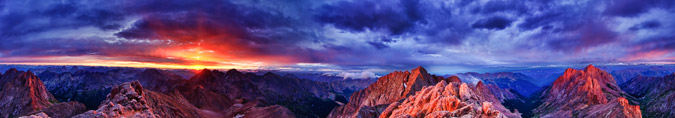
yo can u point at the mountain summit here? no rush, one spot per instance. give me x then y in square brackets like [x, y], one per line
[22, 93]
[450, 99]
[386, 90]
[585, 93]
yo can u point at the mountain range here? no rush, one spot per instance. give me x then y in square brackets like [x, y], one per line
[515, 81]
[588, 92]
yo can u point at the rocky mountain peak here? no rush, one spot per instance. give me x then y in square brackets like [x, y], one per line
[127, 90]
[448, 100]
[419, 69]
[454, 79]
[591, 79]
[386, 90]
[131, 100]
[21, 93]
[156, 75]
[158, 80]
[577, 89]
[151, 71]
[590, 67]
[11, 70]
[204, 72]
[480, 84]
[205, 75]
[233, 72]
[270, 74]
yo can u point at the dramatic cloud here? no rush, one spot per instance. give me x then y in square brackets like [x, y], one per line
[635, 7]
[372, 15]
[361, 34]
[492, 23]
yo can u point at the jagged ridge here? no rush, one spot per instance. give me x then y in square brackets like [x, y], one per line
[579, 92]
[453, 99]
[388, 89]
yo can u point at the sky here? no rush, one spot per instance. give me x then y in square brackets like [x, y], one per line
[366, 35]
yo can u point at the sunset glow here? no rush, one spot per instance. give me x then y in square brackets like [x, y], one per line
[396, 34]
[337, 58]
[111, 63]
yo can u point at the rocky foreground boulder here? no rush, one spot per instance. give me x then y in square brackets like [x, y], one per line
[131, 100]
[589, 92]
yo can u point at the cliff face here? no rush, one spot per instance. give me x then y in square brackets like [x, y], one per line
[388, 89]
[454, 99]
[579, 91]
[21, 93]
[654, 93]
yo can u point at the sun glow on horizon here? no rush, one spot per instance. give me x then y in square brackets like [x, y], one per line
[103, 61]
[137, 65]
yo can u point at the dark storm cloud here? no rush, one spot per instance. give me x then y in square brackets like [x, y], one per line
[19, 29]
[492, 23]
[213, 18]
[362, 15]
[536, 21]
[381, 43]
[658, 43]
[344, 32]
[378, 45]
[584, 36]
[58, 15]
[228, 28]
[646, 25]
[570, 28]
[518, 7]
[628, 8]
[181, 21]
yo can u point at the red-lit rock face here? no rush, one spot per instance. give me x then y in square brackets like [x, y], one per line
[21, 93]
[419, 94]
[388, 89]
[449, 100]
[618, 108]
[578, 91]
